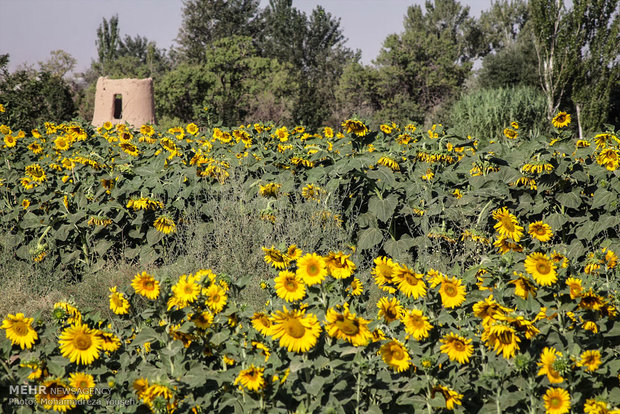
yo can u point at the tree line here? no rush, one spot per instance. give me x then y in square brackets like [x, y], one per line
[235, 62]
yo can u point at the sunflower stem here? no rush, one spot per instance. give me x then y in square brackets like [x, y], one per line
[482, 212]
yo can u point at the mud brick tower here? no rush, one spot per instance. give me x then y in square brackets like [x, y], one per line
[124, 100]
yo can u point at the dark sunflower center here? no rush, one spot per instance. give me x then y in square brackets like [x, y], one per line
[20, 329]
[294, 328]
[543, 268]
[411, 280]
[148, 285]
[390, 313]
[540, 231]
[82, 341]
[459, 346]
[290, 285]
[349, 327]
[189, 289]
[450, 290]
[555, 402]
[313, 269]
[397, 353]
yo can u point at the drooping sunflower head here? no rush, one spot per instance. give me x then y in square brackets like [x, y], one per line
[276, 258]
[339, 265]
[591, 360]
[384, 273]
[501, 338]
[591, 300]
[164, 224]
[118, 303]
[507, 224]
[263, 323]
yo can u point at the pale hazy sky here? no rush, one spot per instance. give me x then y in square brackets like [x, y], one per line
[31, 29]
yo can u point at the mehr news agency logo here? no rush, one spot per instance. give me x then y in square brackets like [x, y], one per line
[60, 395]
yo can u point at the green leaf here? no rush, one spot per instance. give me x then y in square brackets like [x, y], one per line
[570, 200]
[383, 208]
[369, 238]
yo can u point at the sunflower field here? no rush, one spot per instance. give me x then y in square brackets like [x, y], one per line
[479, 276]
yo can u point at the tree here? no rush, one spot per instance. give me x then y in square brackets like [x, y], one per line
[577, 51]
[598, 66]
[502, 24]
[32, 98]
[314, 46]
[108, 40]
[426, 65]
[205, 21]
[233, 82]
[60, 63]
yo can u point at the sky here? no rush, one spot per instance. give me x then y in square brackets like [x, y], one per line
[31, 29]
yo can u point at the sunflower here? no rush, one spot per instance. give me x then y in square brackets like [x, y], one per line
[457, 348]
[383, 273]
[83, 384]
[610, 258]
[110, 342]
[289, 286]
[296, 331]
[293, 252]
[262, 323]
[129, 148]
[501, 338]
[339, 265]
[80, 344]
[395, 355]
[202, 320]
[416, 324]
[71, 313]
[452, 292]
[276, 258]
[523, 286]
[575, 287]
[540, 231]
[312, 269]
[216, 297]
[36, 173]
[19, 330]
[356, 127]
[541, 268]
[55, 394]
[591, 360]
[410, 283]
[62, 143]
[251, 378]
[390, 309]
[186, 290]
[547, 359]
[356, 288]
[10, 141]
[593, 406]
[118, 303]
[507, 224]
[159, 394]
[557, 400]
[312, 192]
[592, 301]
[145, 284]
[346, 325]
[505, 245]
[561, 120]
[164, 224]
[452, 397]
[510, 133]
[488, 310]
